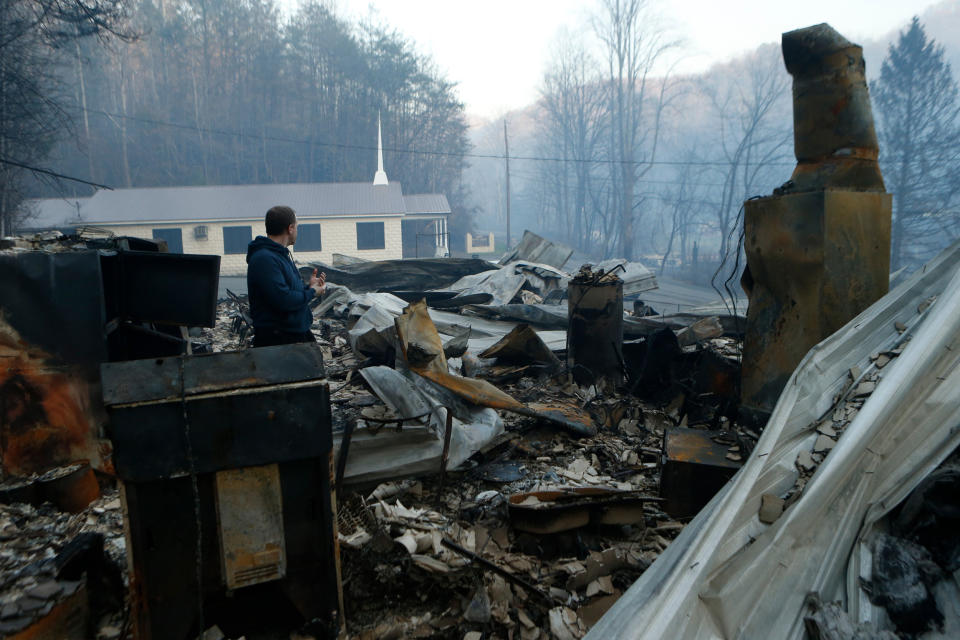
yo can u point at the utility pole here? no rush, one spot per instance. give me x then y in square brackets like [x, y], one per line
[506, 148]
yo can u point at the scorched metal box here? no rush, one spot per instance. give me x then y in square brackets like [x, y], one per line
[225, 463]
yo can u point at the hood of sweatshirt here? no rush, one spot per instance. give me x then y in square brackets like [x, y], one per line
[263, 243]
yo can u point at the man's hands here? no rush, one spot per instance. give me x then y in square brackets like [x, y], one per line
[318, 283]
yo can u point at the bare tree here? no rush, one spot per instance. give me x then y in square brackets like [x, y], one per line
[34, 40]
[750, 104]
[684, 204]
[573, 101]
[633, 44]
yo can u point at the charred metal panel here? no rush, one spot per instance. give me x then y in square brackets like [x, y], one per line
[48, 410]
[595, 333]
[54, 301]
[695, 468]
[264, 425]
[181, 431]
[159, 379]
[178, 289]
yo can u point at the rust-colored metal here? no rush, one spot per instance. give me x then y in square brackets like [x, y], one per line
[571, 508]
[818, 250]
[522, 346]
[419, 339]
[421, 346]
[695, 467]
[68, 620]
[46, 418]
[72, 491]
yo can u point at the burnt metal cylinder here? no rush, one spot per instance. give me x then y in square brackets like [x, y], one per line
[595, 329]
[831, 102]
[834, 139]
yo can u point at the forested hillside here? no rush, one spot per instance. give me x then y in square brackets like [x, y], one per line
[228, 92]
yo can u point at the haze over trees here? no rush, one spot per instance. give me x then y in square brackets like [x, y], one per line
[228, 92]
[35, 99]
[712, 141]
[623, 158]
[918, 112]
[650, 164]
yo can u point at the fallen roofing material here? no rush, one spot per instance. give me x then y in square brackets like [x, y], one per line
[729, 575]
[636, 277]
[423, 352]
[388, 275]
[417, 448]
[506, 283]
[554, 316]
[533, 248]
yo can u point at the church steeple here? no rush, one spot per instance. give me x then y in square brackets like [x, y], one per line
[380, 177]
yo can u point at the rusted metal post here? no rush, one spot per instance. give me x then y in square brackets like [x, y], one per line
[595, 330]
[818, 250]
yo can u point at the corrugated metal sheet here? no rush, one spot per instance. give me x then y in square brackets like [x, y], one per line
[729, 575]
[426, 203]
[243, 201]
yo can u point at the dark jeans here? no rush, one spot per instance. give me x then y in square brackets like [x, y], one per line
[272, 337]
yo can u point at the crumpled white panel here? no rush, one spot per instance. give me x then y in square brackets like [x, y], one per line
[730, 576]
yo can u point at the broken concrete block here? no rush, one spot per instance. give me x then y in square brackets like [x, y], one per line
[827, 430]
[864, 389]
[805, 461]
[771, 507]
[823, 443]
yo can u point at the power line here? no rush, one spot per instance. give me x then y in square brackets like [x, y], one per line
[531, 176]
[48, 172]
[426, 152]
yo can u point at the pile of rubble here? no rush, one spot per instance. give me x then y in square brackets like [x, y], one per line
[544, 505]
[484, 485]
[44, 554]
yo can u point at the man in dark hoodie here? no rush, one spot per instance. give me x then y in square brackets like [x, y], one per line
[278, 296]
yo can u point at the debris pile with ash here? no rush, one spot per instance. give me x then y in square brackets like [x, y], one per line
[47, 557]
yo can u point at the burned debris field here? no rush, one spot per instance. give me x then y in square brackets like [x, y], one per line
[249, 442]
[528, 522]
